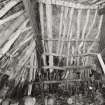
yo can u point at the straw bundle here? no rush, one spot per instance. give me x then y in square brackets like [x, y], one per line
[16, 45]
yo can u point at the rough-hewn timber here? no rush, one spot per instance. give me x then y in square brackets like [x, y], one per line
[32, 10]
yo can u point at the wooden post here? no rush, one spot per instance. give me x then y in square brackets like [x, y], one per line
[102, 36]
[101, 56]
[32, 8]
[33, 12]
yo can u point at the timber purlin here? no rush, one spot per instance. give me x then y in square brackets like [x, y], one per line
[62, 81]
[64, 68]
[68, 4]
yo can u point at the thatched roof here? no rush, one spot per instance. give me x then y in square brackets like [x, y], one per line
[17, 46]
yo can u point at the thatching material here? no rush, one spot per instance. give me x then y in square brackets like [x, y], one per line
[15, 37]
[11, 29]
[11, 17]
[7, 7]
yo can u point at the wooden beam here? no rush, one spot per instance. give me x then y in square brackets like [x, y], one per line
[102, 36]
[32, 8]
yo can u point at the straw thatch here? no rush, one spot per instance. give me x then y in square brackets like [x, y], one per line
[16, 40]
